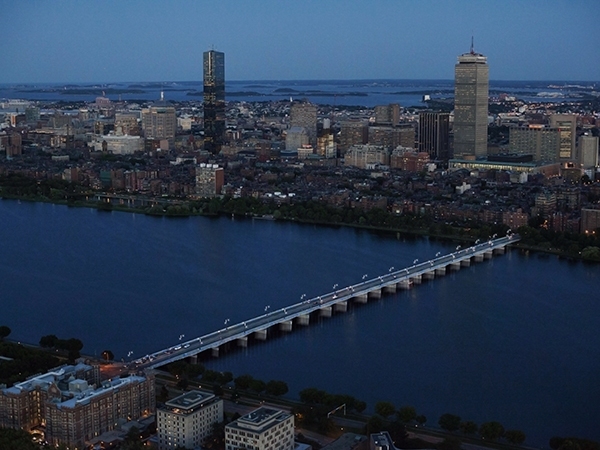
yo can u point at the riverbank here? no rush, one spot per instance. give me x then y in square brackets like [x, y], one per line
[574, 247]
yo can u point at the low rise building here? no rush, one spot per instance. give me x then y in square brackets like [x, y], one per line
[187, 420]
[72, 406]
[262, 429]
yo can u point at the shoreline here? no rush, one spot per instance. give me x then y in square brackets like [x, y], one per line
[416, 232]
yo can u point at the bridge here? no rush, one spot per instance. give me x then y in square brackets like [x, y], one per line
[324, 305]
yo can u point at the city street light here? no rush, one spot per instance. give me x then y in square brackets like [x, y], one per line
[391, 268]
[226, 322]
[267, 308]
[364, 276]
[181, 336]
[335, 286]
[415, 261]
[458, 247]
[438, 254]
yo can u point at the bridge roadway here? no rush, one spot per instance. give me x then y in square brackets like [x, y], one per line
[301, 311]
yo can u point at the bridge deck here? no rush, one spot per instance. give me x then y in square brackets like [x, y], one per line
[306, 307]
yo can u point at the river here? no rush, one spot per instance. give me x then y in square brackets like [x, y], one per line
[513, 339]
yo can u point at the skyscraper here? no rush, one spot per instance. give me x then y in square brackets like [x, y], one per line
[434, 134]
[305, 115]
[214, 100]
[567, 124]
[471, 88]
[159, 121]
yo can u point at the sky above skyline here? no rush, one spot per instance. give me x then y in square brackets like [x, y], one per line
[73, 41]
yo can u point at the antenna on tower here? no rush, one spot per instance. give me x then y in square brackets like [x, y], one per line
[472, 46]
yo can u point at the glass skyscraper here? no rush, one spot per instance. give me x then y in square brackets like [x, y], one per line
[471, 90]
[214, 100]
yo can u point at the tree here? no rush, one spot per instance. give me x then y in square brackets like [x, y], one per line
[163, 395]
[132, 440]
[449, 422]
[243, 382]
[514, 436]
[107, 355]
[407, 414]
[374, 425]
[491, 430]
[4, 332]
[468, 427]
[257, 386]
[276, 388]
[384, 409]
[48, 341]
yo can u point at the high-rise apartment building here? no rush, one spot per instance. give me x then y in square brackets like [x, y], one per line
[471, 89]
[187, 420]
[353, 132]
[209, 180]
[159, 121]
[588, 151]
[387, 114]
[214, 100]
[539, 141]
[567, 124]
[434, 134]
[305, 115]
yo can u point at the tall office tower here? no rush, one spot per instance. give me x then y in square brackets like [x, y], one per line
[471, 88]
[214, 100]
[353, 132]
[434, 134]
[567, 124]
[387, 114]
[159, 121]
[305, 115]
[588, 151]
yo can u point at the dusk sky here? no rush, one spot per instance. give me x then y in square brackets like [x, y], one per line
[151, 40]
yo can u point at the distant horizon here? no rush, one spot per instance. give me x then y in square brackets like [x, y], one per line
[278, 80]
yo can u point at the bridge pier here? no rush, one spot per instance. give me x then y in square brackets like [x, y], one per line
[500, 250]
[341, 307]
[429, 275]
[362, 298]
[478, 257]
[440, 271]
[405, 284]
[466, 262]
[455, 266]
[261, 335]
[488, 254]
[194, 359]
[303, 320]
[390, 288]
[215, 352]
[375, 293]
[243, 341]
[286, 325]
[417, 279]
[325, 311]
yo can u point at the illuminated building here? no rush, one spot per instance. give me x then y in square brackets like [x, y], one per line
[73, 406]
[471, 89]
[566, 123]
[187, 420]
[209, 180]
[305, 115]
[434, 134]
[262, 429]
[159, 121]
[214, 100]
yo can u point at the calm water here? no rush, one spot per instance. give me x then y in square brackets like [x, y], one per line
[513, 339]
[332, 92]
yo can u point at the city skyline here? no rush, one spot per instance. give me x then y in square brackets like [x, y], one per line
[295, 40]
